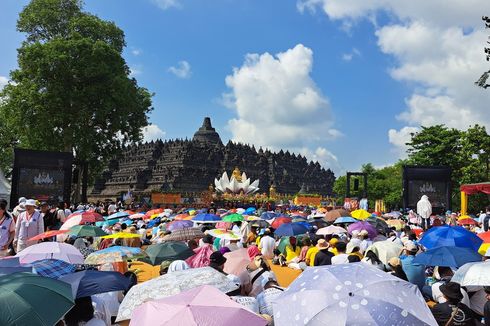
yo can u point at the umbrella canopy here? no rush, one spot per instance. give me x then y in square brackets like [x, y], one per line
[86, 231]
[117, 215]
[363, 225]
[171, 284]
[290, 229]
[485, 236]
[182, 217]
[28, 299]
[350, 294]
[332, 229]
[51, 250]
[122, 235]
[171, 250]
[268, 215]
[397, 224]
[53, 268]
[278, 221]
[451, 236]
[236, 261]
[233, 218]
[473, 274]
[385, 250]
[224, 234]
[379, 224]
[47, 234]
[136, 216]
[345, 219]
[184, 234]
[467, 221]
[206, 218]
[112, 254]
[179, 225]
[86, 217]
[335, 214]
[360, 214]
[447, 256]
[90, 282]
[198, 306]
[153, 212]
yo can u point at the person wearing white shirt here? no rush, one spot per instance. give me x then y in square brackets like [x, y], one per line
[267, 245]
[341, 257]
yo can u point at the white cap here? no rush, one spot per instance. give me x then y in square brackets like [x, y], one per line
[30, 202]
[22, 200]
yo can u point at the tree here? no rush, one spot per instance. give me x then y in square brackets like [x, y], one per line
[72, 90]
[482, 81]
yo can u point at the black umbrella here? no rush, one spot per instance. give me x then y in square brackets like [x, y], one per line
[90, 282]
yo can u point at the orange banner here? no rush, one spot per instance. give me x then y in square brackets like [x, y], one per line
[307, 200]
[158, 198]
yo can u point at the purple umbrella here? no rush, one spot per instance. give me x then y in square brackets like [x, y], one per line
[363, 225]
[177, 225]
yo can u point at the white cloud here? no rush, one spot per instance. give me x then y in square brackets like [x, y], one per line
[399, 138]
[182, 70]
[152, 132]
[323, 156]
[438, 50]
[350, 55]
[167, 4]
[277, 103]
[3, 82]
[136, 52]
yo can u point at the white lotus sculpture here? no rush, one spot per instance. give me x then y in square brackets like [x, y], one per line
[236, 184]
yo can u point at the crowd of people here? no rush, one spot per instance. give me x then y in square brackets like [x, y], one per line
[392, 249]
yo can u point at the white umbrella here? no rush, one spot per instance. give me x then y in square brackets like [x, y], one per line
[473, 274]
[385, 250]
[224, 234]
[171, 284]
[331, 229]
[51, 250]
[350, 294]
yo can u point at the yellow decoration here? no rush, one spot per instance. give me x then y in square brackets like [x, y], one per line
[483, 248]
[237, 174]
[121, 235]
[464, 203]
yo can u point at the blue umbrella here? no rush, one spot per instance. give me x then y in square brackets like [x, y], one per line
[121, 249]
[53, 268]
[345, 219]
[90, 282]
[250, 210]
[117, 215]
[447, 256]
[268, 215]
[206, 218]
[450, 236]
[177, 225]
[290, 229]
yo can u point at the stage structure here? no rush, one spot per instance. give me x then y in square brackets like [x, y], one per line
[433, 181]
[41, 175]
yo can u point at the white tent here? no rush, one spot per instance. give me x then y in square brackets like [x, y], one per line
[4, 187]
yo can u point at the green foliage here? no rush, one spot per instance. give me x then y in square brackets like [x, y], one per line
[72, 90]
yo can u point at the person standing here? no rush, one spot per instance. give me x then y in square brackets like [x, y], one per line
[7, 229]
[424, 209]
[28, 225]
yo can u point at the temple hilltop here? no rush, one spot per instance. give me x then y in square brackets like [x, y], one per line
[190, 166]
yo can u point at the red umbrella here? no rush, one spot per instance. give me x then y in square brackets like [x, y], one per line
[88, 217]
[467, 221]
[153, 212]
[485, 236]
[280, 221]
[48, 234]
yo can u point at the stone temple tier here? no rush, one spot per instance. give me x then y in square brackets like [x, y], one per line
[190, 166]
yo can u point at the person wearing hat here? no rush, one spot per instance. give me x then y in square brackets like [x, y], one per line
[453, 311]
[217, 261]
[271, 291]
[164, 267]
[415, 272]
[323, 257]
[28, 225]
[7, 229]
[396, 268]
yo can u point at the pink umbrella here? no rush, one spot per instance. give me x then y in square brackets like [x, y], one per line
[51, 250]
[201, 258]
[203, 306]
[236, 261]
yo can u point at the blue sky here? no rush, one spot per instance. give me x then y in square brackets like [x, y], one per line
[365, 73]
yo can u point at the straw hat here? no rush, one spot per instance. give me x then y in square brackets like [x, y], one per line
[322, 244]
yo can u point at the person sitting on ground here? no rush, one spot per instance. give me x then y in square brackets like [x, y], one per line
[353, 259]
[252, 277]
[443, 275]
[82, 313]
[415, 272]
[291, 251]
[311, 253]
[306, 245]
[164, 267]
[323, 257]
[341, 257]
[396, 268]
[365, 241]
[271, 291]
[372, 259]
[453, 311]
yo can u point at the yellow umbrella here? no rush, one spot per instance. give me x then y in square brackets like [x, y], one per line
[121, 235]
[398, 224]
[360, 214]
[483, 248]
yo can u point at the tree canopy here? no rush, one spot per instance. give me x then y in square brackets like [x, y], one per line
[72, 90]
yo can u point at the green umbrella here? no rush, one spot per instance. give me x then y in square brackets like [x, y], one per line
[86, 231]
[172, 250]
[29, 299]
[233, 218]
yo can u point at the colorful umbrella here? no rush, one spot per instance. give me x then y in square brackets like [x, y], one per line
[86, 217]
[345, 219]
[117, 215]
[86, 231]
[184, 234]
[206, 218]
[182, 217]
[233, 218]
[47, 234]
[153, 212]
[53, 268]
[447, 256]
[332, 229]
[335, 214]
[379, 224]
[236, 261]
[397, 224]
[360, 214]
[473, 274]
[178, 225]
[90, 282]
[122, 235]
[455, 236]
[268, 215]
[484, 249]
[363, 225]
[171, 284]
[278, 221]
[467, 221]
[290, 229]
[136, 216]
[198, 306]
[172, 250]
[113, 254]
[350, 294]
[29, 299]
[51, 250]
[485, 236]
[224, 234]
